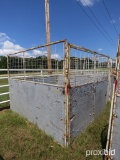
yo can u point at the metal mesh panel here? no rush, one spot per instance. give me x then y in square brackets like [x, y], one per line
[113, 63]
[87, 66]
[32, 64]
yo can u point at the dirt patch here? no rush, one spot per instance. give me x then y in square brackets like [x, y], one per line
[4, 109]
[10, 155]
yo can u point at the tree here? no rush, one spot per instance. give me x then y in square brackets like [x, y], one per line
[3, 62]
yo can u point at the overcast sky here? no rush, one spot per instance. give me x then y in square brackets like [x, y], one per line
[83, 22]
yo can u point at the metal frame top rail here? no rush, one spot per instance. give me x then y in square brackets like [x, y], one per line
[44, 45]
[61, 41]
[87, 50]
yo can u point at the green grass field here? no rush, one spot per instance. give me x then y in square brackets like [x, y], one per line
[21, 140]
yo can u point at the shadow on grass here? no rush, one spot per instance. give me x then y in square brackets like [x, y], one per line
[4, 108]
[104, 138]
[1, 158]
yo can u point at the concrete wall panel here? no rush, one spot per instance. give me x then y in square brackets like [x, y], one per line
[41, 104]
[44, 105]
[100, 97]
[87, 102]
[82, 105]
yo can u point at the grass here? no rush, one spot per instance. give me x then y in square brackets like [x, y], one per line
[21, 140]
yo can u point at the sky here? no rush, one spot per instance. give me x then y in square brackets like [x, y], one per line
[85, 23]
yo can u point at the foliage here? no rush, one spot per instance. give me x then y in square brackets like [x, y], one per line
[3, 62]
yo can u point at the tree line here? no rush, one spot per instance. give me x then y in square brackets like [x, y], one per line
[3, 62]
[42, 63]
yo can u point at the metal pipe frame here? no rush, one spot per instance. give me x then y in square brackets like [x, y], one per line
[87, 50]
[110, 119]
[67, 93]
[44, 45]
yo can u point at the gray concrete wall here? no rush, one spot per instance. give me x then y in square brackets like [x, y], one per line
[100, 97]
[44, 105]
[41, 104]
[82, 105]
[87, 102]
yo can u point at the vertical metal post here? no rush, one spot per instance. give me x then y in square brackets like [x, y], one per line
[63, 66]
[57, 66]
[94, 86]
[57, 71]
[110, 119]
[8, 72]
[111, 64]
[24, 65]
[109, 79]
[18, 65]
[94, 66]
[67, 93]
[48, 36]
[80, 64]
[84, 64]
[95, 62]
[88, 63]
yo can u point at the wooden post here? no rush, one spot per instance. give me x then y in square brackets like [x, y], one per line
[48, 36]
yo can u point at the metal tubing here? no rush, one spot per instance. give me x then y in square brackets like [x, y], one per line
[44, 45]
[86, 50]
[3, 77]
[3, 69]
[4, 101]
[109, 79]
[67, 93]
[8, 68]
[2, 86]
[24, 65]
[110, 119]
[2, 94]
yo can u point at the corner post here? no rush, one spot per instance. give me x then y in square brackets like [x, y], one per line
[67, 92]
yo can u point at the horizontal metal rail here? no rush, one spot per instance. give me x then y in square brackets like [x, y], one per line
[4, 101]
[5, 93]
[2, 86]
[3, 69]
[44, 45]
[32, 69]
[2, 77]
[61, 41]
[87, 50]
